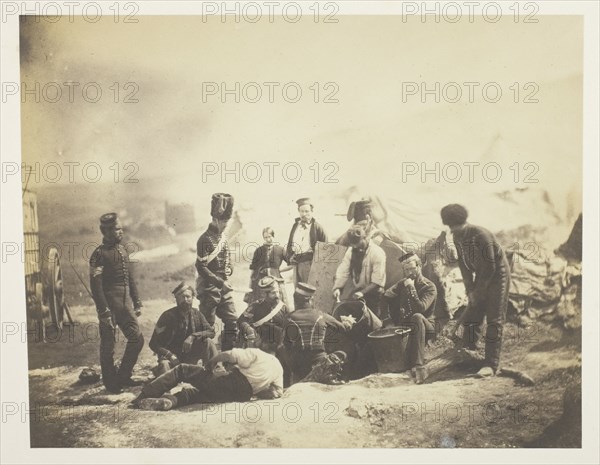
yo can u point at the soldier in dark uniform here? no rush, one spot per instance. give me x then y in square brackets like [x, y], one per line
[304, 333]
[214, 267]
[412, 304]
[182, 334]
[486, 276]
[112, 284]
[263, 320]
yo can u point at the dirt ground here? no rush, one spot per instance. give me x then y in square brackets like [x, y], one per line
[382, 410]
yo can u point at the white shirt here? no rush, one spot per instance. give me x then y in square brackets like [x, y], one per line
[260, 368]
[301, 239]
[373, 268]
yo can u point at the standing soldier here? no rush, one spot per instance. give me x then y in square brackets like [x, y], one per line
[213, 264]
[112, 283]
[486, 276]
[305, 234]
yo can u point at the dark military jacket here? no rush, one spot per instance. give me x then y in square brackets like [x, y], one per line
[172, 328]
[219, 269]
[405, 301]
[481, 260]
[110, 267]
[305, 329]
[270, 330]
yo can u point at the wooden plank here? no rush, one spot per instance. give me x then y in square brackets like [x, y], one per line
[31, 242]
[393, 270]
[322, 273]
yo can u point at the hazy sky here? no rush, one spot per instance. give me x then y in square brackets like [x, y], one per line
[368, 134]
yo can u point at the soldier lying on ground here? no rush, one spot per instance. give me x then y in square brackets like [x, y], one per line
[182, 334]
[254, 373]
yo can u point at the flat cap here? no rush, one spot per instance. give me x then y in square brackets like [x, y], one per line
[182, 287]
[305, 289]
[108, 219]
[268, 282]
[304, 201]
[341, 355]
[407, 256]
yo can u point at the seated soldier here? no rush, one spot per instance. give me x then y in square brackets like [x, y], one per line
[362, 270]
[254, 373]
[304, 333]
[182, 334]
[263, 320]
[412, 303]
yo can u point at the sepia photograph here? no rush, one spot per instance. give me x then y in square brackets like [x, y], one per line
[351, 226]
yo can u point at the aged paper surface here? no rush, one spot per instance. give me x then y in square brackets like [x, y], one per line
[308, 120]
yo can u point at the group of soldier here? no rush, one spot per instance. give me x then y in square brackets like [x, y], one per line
[269, 347]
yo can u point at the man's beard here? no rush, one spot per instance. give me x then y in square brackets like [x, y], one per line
[113, 239]
[356, 261]
[185, 307]
[273, 299]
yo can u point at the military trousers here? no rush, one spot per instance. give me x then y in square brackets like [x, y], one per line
[202, 349]
[493, 309]
[123, 316]
[422, 331]
[219, 302]
[206, 387]
[300, 362]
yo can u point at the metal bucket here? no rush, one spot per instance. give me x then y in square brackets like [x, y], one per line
[390, 348]
[366, 320]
